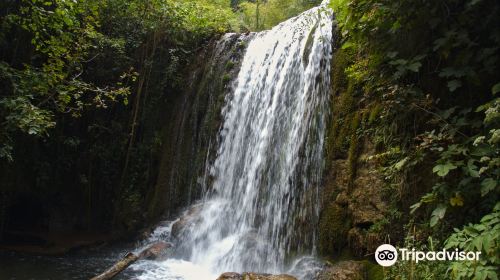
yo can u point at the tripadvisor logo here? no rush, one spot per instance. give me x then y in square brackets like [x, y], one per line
[387, 255]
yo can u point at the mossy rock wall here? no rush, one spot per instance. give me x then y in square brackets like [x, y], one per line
[191, 126]
[352, 192]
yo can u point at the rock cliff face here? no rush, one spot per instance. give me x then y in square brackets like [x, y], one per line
[353, 190]
[351, 206]
[192, 120]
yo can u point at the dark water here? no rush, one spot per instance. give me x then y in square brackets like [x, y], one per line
[78, 265]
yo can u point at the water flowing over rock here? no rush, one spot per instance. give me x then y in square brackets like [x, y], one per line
[270, 152]
[260, 204]
[254, 276]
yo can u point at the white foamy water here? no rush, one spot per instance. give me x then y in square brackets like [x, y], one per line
[262, 204]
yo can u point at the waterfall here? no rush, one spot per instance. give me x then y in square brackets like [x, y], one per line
[260, 206]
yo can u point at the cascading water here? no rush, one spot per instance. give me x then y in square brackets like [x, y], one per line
[262, 202]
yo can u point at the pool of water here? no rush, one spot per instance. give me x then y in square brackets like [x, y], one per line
[78, 265]
[86, 264]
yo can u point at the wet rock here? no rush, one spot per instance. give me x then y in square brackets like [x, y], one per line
[155, 251]
[334, 224]
[230, 276]
[342, 199]
[254, 276]
[362, 241]
[307, 267]
[190, 217]
[368, 206]
[346, 270]
[351, 206]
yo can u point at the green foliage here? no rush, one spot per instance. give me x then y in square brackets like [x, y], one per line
[62, 35]
[261, 15]
[84, 86]
[226, 78]
[64, 39]
[483, 237]
[432, 67]
[473, 163]
[426, 270]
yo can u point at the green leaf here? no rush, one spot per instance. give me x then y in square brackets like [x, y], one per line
[398, 62]
[478, 243]
[347, 45]
[428, 198]
[486, 242]
[471, 169]
[471, 231]
[454, 84]
[452, 72]
[415, 66]
[496, 88]
[437, 214]
[414, 207]
[443, 169]
[392, 54]
[400, 164]
[492, 275]
[488, 185]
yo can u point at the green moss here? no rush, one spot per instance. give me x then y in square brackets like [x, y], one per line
[333, 227]
[354, 149]
[226, 78]
[340, 62]
[344, 106]
[229, 65]
[346, 117]
[373, 271]
[242, 45]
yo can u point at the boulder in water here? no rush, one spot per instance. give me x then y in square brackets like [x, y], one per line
[155, 251]
[254, 276]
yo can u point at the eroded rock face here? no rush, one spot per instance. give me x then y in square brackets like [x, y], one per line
[346, 270]
[351, 205]
[194, 119]
[254, 276]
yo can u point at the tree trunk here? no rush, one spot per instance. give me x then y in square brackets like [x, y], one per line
[153, 251]
[118, 267]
